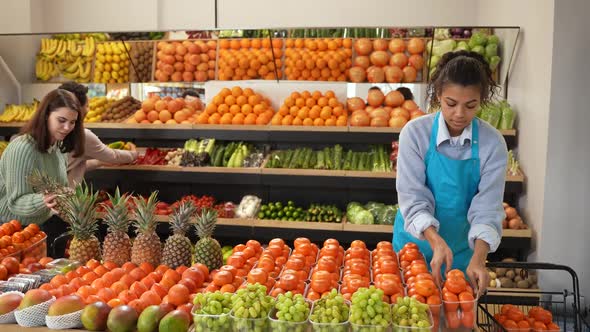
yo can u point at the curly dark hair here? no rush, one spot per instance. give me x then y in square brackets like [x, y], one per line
[78, 90]
[464, 68]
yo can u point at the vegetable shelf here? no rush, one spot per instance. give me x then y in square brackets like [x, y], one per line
[268, 133]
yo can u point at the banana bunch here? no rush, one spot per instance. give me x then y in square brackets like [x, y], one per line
[71, 58]
[19, 113]
[112, 62]
[81, 36]
[3, 145]
[96, 107]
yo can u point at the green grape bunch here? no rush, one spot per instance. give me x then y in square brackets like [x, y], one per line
[331, 309]
[211, 311]
[368, 308]
[411, 313]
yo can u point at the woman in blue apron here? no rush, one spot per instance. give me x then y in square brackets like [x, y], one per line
[451, 172]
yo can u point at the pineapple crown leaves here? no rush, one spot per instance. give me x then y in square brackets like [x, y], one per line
[43, 183]
[117, 216]
[80, 212]
[145, 212]
[180, 218]
[205, 224]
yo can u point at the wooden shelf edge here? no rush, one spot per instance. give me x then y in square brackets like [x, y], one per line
[369, 130]
[302, 172]
[523, 233]
[324, 129]
[11, 124]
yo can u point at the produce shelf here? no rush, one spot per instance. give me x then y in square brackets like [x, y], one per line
[268, 133]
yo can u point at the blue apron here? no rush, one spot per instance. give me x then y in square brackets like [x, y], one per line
[453, 183]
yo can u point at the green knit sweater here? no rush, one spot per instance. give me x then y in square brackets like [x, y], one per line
[17, 199]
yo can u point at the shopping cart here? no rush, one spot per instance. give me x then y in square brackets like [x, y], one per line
[564, 305]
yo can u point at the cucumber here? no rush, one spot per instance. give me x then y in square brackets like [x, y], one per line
[313, 160]
[354, 164]
[321, 163]
[348, 161]
[286, 162]
[337, 156]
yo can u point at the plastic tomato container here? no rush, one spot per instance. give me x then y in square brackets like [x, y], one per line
[460, 315]
[285, 326]
[436, 313]
[550, 330]
[37, 250]
[330, 327]
[248, 324]
[204, 323]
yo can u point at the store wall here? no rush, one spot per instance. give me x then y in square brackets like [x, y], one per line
[567, 182]
[15, 16]
[332, 13]
[529, 91]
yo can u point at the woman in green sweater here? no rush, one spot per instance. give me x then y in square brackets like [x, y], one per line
[55, 130]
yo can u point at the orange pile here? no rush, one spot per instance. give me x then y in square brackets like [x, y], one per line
[311, 109]
[391, 61]
[318, 59]
[386, 273]
[326, 273]
[245, 59]
[237, 107]
[186, 61]
[13, 238]
[167, 110]
[356, 273]
[129, 284]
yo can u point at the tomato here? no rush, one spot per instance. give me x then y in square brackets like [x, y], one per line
[359, 268]
[425, 287]
[236, 259]
[453, 320]
[456, 285]
[455, 274]
[467, 303]
[275, 250]
[320, 285]
[524, 324]
[277, 241]
[327, 263]
[417, 269]
[223, 278]
[385, 244]
[468, 319]
[389, 287]
[288, 282]
[451, 301]
[295, 264]
[389, 266]
[539, 326]
[300, 240]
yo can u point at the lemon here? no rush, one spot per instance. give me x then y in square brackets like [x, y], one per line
[106, 75]
[126, 70]
[100, 58]
[91, 114]
[121, 72]
[100, 48]
[115, 75]
[108, 49]
[108, 58]
[107, 67]
[116, 66]
[124, 56]
[98, 66]
[121, 80]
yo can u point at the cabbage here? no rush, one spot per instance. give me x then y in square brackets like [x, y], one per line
[507, 118]
[479, 49]
[351, 204]
[462, 46]
[429, 45]
[387, 215]
[444, 46]
[373, 205]
[491, 50]
[492, 114]
[493, 39]
[494, 62]
[478, 39]
[363, 217]
[440, 34]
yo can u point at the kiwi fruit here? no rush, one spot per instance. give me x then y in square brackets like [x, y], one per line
[500, 272]
[510, 274]
[142, 54]
[523, 284]
[532, 278]
[517, 279]
[506, 283]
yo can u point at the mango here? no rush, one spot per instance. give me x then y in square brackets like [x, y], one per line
[9, 302]
[66, 305]
[122, 319]
[95, 315]
[34, 297]
[150, 318]
[175, 321]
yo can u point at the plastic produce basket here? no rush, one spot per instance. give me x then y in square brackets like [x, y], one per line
[330, 327]
[277, 325]
[213, 323]
[37, 250]
[460, 315]
[563, 304]
[249, 324]
[398, 328]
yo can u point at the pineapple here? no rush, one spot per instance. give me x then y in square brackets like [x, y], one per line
[207, 249]
[45, 184]
[82, 219]
[178, 247]
[147, 246]
[117, 246]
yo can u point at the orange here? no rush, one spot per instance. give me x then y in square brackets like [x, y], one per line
[250, 119]
[276, 120]
[287, 120]
[294, 110]
[318, 122]
[297, 121]
[303, 113]
[152, 116]
[241, 100]
[222, 109]
[238, 119]
[342, 121]
[316, 95]
[308, 122]
[115, 303]
[165, 115]
[314, 113]
[262, 119]
[330, 122]
[214, 119]
[326, 113]
[230, 100]
[323, 101]
[178, 295]
[254, 100]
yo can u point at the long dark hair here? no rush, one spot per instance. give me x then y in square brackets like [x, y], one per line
[38, 129]
[464, 68]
